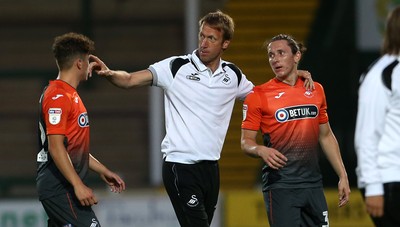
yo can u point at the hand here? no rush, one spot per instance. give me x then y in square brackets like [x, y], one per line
[308, 81]
[374, 205]
[344, 191]
[273, 158]
[115, 182]
[99, 66]
[85, 195]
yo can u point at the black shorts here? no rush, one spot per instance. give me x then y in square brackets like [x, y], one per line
[296, 207]
[193, 190]
[66, 211]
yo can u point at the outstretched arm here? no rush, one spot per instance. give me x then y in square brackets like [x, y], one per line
[331, 149]
[114, 181]
[121, 78]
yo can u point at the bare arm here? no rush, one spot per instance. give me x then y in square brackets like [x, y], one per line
[121, 78]
[63, 162]
[271, 157]
[331, 149]
[112, 179]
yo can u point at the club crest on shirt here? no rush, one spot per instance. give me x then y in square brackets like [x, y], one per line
[227, 80]
[54, 115]
[308, 94]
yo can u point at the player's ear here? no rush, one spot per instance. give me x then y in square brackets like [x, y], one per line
[225, 44]
[79, 63]
[297, 57]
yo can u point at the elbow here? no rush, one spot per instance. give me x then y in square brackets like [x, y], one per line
[243, 145]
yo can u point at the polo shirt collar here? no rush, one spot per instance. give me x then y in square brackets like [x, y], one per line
[201, 67]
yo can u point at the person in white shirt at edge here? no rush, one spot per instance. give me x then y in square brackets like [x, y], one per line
[199, 94]
[377, 134]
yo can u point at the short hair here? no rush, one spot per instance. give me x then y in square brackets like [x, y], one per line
[69, 46]
[391, 41]
[293, 44]
[220, 21]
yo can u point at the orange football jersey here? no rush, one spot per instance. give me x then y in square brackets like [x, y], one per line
[289, 118]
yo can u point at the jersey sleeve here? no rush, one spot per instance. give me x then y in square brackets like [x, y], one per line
[252, 114]
[56, 108]
[323, 114]
[245, 87]
[370, 121]
[162, 76]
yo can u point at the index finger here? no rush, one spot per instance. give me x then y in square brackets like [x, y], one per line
[96, 59]
[93, 57]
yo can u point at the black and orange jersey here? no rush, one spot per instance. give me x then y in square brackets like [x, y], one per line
[289, 119]
[62, 113]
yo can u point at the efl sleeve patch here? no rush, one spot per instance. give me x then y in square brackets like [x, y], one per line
[55, 115]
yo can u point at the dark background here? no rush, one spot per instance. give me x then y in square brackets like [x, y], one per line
[130, 35]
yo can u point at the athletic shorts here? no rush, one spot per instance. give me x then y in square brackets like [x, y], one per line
[66, 211]
[296, 207]
[193, 190]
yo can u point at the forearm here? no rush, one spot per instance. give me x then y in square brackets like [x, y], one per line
[96, 166]
[332, 152]
[127, 80]
[250, 148]
[119, 78]
[249, 144]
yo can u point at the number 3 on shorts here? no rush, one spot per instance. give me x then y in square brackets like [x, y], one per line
[325, 214]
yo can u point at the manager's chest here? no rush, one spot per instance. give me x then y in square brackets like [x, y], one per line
[199, 87]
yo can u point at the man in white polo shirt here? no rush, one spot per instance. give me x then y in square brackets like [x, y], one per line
[199, 94]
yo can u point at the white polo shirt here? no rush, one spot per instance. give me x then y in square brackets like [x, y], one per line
[377, 134]
[198, 106]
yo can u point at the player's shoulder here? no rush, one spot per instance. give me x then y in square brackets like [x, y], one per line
[176, 59]
[57, 92]
[229, 64]
[186, 57]
[377, 66]
[259, 90]
[269, 85]
[55, 87]
[318, 86]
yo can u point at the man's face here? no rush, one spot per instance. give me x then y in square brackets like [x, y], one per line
[211, 45]
[283, 62]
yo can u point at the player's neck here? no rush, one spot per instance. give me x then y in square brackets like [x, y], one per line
[68, 78]
[290, 79]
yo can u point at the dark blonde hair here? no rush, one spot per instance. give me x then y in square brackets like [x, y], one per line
[220, 21]
[69, 46]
